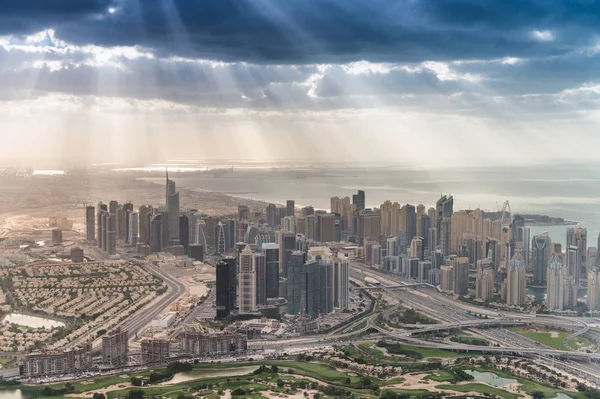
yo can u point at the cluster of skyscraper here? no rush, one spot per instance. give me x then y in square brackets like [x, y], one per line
[149, 229]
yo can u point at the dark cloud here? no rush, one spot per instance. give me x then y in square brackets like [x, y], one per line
[308, 31]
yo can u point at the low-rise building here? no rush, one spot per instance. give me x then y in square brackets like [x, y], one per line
[68, 361]
[196, 342]
[155, 351]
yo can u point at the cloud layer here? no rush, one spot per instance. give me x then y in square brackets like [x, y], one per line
[524, 70]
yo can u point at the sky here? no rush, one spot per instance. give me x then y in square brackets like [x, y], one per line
[440, 82]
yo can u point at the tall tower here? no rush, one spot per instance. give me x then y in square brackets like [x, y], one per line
[444, 211]
[556, 284]
[172, 203]
[247, 282]
[90, 223]
[221, 238]
[594, 289]
[515, 287]
[541, 250]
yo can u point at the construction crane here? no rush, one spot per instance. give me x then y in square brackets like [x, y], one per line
[506, 217]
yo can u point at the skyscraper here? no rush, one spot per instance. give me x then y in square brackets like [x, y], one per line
[223, 285]
[260, 267]
[296, 283]
[461, 276]
[484, 282]
[326, 282]
[247, 282]
[411, 223]
[290, 208]
[287, 245]
[172, 203]
[133, 229]
[444, 211]
[424, 226]
[341, 272]
[145, 221]
[358, 199]
[90, 223]
[555, 287]
[156, 233]
[541, 250]
[593, 280]
[115, 348]
[271, 251]
[515, 285]
[271, 215]
[573, 264]
[447, 278]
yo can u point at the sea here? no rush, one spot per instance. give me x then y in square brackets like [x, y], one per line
[565, 190]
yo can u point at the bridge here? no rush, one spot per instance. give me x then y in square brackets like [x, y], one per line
[395, 286]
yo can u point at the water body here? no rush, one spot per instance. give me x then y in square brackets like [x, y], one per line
[568, 191]
[209, 373]
[13, 394]
[539, 293]
[491, 378]
[31, 321]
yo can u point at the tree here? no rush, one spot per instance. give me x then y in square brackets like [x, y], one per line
[69, 386]
[136, 382]
[348, 381]
[538, 395]
[274, 369]
[135, 394]
[280, 383]
[99, 396]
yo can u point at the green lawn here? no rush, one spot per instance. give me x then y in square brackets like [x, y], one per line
[480, 388]
[529, 386]
[440, 376]
[544, 336]
[433, 352]
[470, 340]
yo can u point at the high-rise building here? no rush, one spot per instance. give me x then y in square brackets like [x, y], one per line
[341, 273]
[133, 229]
[573, 264]
[541, 250]
[247, 282]
[156, 233]
[369, 227]
[392, 247]
[327, 230]
[145, 223]
[271, 251]
[571, 290]
[526, 235]
[260, 267]
[424, 268]
[296, 283]
[90, 223]
[112, 235]
[416, 248]
[358, 199]
[444, 211]
[555, 287]
[423, 230]
[172, 204]
[516, 279]
[221, 241]
[447, 278]
[287, 245]
[290, 208]
[593, 280]
[326, 285]
[271, 215]
[461, 276]
[432, 243]
[223, 285]
[115, 348]
[484, 282]
[411, 223]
